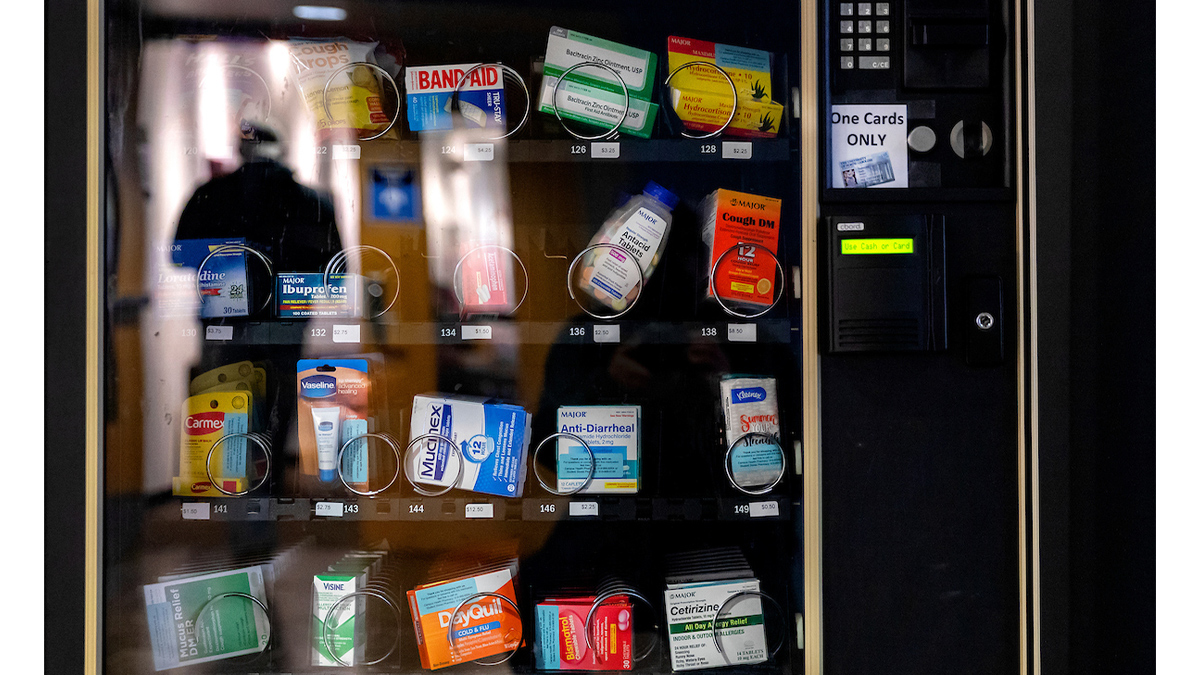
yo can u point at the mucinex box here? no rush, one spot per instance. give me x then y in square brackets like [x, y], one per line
[491, 437]
[614, 435]
[430, 93]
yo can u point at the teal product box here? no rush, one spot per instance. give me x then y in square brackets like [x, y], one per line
[492, 439]
[430, 93]
[223, 289]
[594, 95]
[232, 627]
[614, 435]
[304, 294]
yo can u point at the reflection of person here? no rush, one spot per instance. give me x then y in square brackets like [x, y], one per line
[295, 227]
[261, 201]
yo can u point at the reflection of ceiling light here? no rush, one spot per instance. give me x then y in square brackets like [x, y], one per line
[319, 13]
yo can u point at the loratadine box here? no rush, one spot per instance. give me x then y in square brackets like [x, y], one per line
[614, 435]
[492, 439]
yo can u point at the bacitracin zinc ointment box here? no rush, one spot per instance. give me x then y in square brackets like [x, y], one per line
[691, 609]
[594, 95]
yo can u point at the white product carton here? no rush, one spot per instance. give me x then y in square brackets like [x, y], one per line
[691, 609]
[614, 435]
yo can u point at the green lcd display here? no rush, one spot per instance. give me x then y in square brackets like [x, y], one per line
[876, 246]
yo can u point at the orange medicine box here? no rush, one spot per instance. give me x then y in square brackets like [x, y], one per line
[738, 226]
[487, 626]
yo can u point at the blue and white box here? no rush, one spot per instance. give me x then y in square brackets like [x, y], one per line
[614, 435]
[430, 92]
[492, 440]
[223, 289]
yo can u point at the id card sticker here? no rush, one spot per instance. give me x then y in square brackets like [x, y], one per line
[869, 146]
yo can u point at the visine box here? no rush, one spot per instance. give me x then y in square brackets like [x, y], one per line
[430, 91]
[492, 439]
[614, 435]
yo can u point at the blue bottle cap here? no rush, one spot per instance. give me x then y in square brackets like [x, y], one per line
[662, 194]
[328, 475]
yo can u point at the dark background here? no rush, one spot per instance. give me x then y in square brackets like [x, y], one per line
[1095, 252]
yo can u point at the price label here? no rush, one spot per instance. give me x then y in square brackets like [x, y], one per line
[606, 333]
[585, 509]
[764, 509]
[330, 509]
[218, 333]
[737, 149]
[606, 150]
[479, 152]
[479, 511]
[348, 333]
[476, 332]
[347, 152]
[743, 332]
[195, 511]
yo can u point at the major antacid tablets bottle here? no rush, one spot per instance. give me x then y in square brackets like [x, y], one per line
[639, 228]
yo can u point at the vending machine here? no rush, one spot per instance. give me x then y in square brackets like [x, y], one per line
[560, 336]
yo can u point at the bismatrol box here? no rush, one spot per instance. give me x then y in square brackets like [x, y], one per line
[614, 435]
[492, 439]
[430, 92]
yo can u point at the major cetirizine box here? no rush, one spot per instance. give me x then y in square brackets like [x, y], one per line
[614, 435]
[691, 609]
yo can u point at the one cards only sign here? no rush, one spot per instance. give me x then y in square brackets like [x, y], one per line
[869, 146]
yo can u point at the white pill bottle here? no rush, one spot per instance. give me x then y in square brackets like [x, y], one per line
[637, 232]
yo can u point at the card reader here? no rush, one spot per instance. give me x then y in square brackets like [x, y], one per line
[886, 283]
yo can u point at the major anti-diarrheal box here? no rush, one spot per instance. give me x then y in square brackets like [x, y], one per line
[614, 435]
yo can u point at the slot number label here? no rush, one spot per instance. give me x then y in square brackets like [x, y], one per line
[767, 509]
[708, 148]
